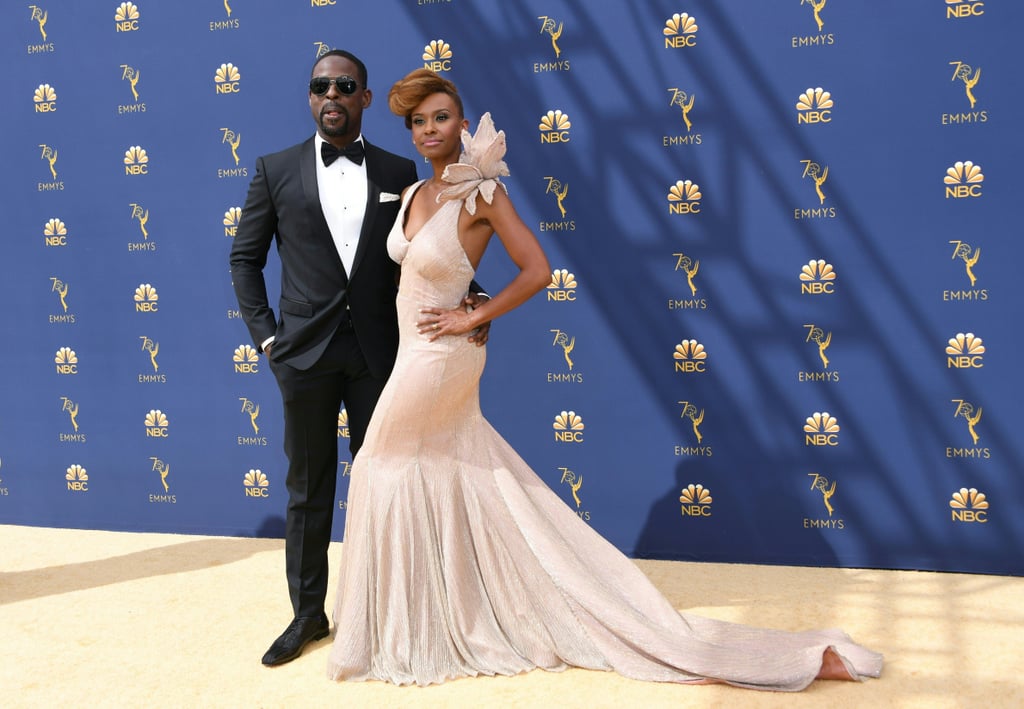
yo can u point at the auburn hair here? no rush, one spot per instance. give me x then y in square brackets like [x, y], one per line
[409, 92]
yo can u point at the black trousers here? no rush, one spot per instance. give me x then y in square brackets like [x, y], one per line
[312, 399]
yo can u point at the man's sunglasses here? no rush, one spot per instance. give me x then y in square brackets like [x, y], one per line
[320, 85]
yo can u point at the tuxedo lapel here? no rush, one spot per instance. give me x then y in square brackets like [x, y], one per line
[311, 194]
[373, 178]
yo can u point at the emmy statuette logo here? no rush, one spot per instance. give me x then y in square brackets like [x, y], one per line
[828, 490]
[575, 482]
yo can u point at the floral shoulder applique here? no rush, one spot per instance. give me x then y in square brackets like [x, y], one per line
[479, 167]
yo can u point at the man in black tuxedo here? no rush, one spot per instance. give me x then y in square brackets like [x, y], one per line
[330, 202]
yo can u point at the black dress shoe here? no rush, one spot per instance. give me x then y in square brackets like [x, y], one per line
[296, 636]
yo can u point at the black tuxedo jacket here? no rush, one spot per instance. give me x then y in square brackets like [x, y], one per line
[283, 204]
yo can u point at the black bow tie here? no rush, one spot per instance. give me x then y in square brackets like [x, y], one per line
[352, 151]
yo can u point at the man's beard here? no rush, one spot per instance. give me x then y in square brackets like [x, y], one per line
[339, 128]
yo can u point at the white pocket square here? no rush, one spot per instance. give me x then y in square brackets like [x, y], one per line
[389, 197]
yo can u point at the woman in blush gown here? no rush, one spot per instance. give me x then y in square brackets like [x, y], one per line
[458, 560]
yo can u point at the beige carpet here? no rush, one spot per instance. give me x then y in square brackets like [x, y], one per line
[105, 619]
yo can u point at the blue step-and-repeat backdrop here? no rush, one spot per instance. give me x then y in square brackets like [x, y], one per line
[783, 324]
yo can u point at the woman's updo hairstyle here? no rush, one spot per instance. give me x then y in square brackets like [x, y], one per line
[409, 92]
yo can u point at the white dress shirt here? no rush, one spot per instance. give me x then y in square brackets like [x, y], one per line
[342, 188]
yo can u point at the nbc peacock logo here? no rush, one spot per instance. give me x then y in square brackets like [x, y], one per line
[256, 484]
[77, 478]
[965, 350]
[684, 197]
[963, 179]
[817, 277]
[963, 9]
[969, 505]
[690, 356]
[562, 287]
[680, 31]
[230, 221]
[66, 360]
[136, 161]
[146, 298]
[126, 17]
[821, 429]
[695, 501]
[55, 233]
[568, 426]
[814, 106]
[156, 424]
[437, 56]
[246, 359]
[343, 431]
[554, 127]
[227, 79]
[45, 99]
